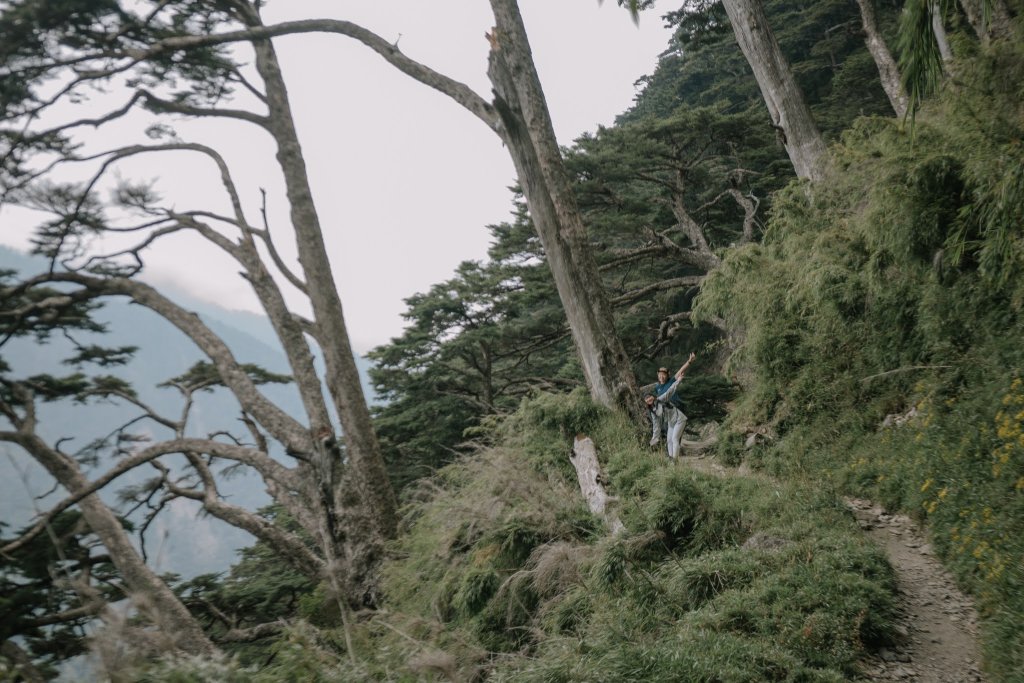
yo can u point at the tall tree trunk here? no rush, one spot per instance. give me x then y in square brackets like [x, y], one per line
[528, 132]
[888, 72]
[525, 127]
[371, 513]
[783, 97]
[144, 586]
[939, 29]
[996, 25]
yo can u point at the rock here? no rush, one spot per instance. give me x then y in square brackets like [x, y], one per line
[708, 430]
[761, 541]
[901, 672]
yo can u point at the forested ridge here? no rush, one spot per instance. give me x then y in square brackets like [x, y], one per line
[856, 316]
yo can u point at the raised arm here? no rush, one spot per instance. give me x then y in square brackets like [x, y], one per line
[682, 371]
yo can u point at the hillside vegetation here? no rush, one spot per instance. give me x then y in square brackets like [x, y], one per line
[893, 289]
[859, 336]
[502, 572]
[897, 289]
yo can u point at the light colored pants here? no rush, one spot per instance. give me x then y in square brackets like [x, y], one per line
[676, 423]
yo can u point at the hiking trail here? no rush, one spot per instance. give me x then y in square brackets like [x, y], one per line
[938, 625]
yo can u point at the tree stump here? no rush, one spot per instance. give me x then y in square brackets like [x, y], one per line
[588, 471]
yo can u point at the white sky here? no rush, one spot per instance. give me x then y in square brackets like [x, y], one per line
[404, 179]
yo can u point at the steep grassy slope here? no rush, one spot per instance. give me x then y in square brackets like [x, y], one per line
[502, 574]
[897, 288]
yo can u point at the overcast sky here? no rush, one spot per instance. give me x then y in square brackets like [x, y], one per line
[405, 180]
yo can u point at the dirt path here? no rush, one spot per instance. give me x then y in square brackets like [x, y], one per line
[938, 623]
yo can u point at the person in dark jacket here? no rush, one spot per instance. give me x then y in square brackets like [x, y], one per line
[665, 409]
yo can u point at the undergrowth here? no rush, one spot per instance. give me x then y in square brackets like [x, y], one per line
[896, 290]
[503, 574]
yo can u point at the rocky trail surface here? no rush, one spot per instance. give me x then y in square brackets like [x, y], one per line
[938, 623]
[939, 626]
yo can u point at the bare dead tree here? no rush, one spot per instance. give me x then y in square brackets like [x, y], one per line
[783, 97]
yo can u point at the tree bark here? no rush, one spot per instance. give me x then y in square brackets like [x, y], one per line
[141, 583]
[994, 26]
[342, 377]
[588, 472]
[888, 72]
[529, 135]
[783, 97]
[939, 30]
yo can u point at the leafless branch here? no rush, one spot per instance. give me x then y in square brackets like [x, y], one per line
[265, 236]
[294, 550]
[627, 256]
[459, 92]
[282, 426]
[749, 204]
[269, 468]
[704, 260]
[672, 283]
[667, 329]
[166, 106]
[257, 435]
[240, 77]
[94, 122]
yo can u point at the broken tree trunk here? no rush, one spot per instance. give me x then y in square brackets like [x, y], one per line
[527, 131]
[588, 471]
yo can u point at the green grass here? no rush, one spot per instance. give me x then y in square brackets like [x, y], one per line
[503, 565]
[897, 286]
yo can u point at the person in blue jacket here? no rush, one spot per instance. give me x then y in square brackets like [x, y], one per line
[665, 409]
